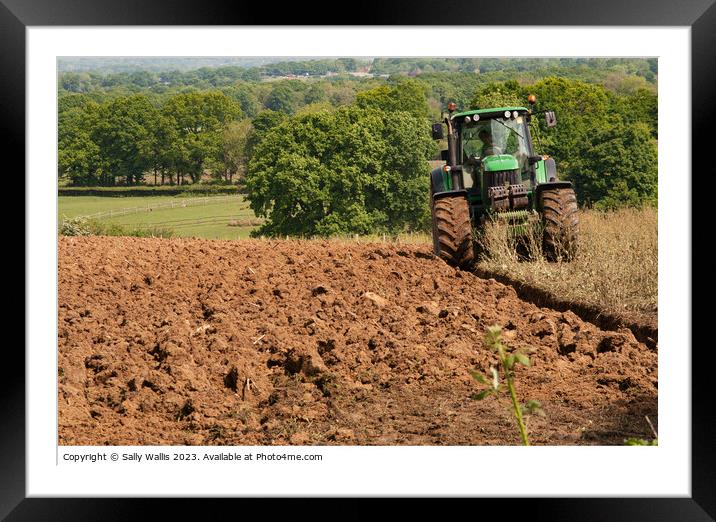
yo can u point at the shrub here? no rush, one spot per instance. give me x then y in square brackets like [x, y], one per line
[352, 171]
[80, 226]
[77, 226]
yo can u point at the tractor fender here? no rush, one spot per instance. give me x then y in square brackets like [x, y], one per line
[549, 185]
[449, 193]
[437, 180]
[550, 170]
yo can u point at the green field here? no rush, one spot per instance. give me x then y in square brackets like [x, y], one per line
[208, 217]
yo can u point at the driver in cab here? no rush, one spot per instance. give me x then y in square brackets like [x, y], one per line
[488, 147]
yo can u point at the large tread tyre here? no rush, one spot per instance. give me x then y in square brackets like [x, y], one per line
[452, 231]
[560, 220]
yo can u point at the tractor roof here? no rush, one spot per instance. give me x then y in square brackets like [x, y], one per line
[487, 111]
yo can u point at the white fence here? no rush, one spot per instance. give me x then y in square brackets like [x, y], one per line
[174, 203]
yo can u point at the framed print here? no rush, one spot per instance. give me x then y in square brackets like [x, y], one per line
[366, 260]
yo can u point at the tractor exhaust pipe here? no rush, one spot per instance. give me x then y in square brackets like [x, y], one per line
[456, 174]
[452, 143]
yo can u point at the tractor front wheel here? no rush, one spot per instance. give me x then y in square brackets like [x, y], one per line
[561, 223]
[452, 231]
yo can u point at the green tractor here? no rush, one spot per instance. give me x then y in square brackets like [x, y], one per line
[492, 172]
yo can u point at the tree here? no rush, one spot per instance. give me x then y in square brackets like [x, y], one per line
[125, 136]
[75, 82]
[641, 106]
[603, 143]
[583, 111]
[506, 94]
[78, 156]
[315, 107]
[165, 135]
[244, 94]
[316, 93]
[261, 124]
[621, 169]
[352, 171]
[234, 149]
[281, 99]
[71, 101]
[341, 95]
[199, 119]
[408, 95]
[382, 98]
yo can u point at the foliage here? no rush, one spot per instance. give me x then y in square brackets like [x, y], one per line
[507, 94]
[246, 96]
[355, 170]
[78, 156]
[315, 93]
[128, 136]
[80, 226]
[124, 135]
[234, 150]
[507, 359]
[200, 119]
[642, 106]
[620, 169]
[597, 145]
[262, 123]
[281, 99]
[315, 107]
[408, 95]
[87, 74]
[77, 226]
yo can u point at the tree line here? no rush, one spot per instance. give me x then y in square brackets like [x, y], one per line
[634, 72]
[447, 79]
[203, 77]
[129, 138]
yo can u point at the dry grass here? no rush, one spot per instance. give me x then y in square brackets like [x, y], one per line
[615, 267]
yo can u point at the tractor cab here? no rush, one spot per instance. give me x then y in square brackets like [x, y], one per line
[494, 140]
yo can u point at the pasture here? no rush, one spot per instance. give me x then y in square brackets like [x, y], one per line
[214, 217]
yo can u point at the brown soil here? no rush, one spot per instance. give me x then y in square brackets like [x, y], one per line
[198, 342]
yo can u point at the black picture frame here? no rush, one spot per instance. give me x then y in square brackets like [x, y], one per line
[17, 15]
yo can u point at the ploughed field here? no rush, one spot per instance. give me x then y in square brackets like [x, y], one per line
[257, 342]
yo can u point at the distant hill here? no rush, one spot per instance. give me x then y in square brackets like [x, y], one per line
[117, 64]
[273, 66]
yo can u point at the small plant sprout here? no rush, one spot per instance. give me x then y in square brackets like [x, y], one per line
[507, 358]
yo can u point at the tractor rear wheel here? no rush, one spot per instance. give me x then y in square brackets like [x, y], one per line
[452, 231]
[561, 223]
